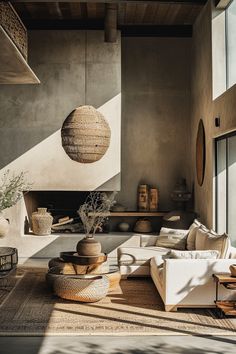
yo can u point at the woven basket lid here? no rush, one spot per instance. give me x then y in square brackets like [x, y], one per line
[85, 135]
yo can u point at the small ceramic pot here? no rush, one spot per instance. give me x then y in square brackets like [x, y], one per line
[123, 226]
[88, 246]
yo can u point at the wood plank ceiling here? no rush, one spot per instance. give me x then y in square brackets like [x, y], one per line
[137, 14]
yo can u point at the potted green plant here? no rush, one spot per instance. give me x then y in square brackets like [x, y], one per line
[11, 191]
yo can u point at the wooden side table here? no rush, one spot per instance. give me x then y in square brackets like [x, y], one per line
[227, 308]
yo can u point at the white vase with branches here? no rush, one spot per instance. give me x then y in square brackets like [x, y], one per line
[11, 191]
[93, 213]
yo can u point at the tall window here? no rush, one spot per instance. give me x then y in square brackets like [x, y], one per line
[226, 185]
[224, 49]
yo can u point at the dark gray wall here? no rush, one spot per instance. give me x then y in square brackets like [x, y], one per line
[155, 115]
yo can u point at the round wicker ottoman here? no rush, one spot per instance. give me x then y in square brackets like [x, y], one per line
[83, 288]
[74, 287]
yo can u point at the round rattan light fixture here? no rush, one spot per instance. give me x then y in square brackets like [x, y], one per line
[85, 135]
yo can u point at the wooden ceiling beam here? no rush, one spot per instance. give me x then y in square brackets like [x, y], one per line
[183, 2]
[110, 23]
[126, 30]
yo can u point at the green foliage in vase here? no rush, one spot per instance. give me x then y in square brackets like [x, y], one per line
[12, 188]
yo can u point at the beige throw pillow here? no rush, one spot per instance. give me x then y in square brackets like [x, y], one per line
[209, 254]
[191, 239]
[172, 238]
[209, 241]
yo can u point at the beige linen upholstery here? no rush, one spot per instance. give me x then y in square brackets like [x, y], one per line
[209, 254]
[180, 282]
[131, 256]
[232, 252]
[211, 241]
[191, 239]
[172, 238]
[189, 282]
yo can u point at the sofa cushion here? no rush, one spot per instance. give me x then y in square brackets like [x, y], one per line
[212, 241]
[172, 238]
[138, 255]
[191, 239]
[232, 252]
[209, 254]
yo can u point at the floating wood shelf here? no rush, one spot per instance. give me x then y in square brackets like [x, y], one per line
[138, 213]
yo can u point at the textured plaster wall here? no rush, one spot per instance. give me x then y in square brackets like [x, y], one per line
[155, 101]
[75, 67]
[155, 115]
[202, 106]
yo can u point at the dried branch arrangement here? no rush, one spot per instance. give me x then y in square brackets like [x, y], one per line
[95, 210]
[12, 188]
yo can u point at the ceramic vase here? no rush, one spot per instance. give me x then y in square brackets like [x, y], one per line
[4, 226]
[88, 246]
[42, 222]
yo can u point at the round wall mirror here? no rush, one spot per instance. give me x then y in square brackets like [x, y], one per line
[200, 153]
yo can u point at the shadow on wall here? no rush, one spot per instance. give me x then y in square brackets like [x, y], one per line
[50, 168]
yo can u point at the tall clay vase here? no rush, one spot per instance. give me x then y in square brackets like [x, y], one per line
[42, 222]
[4, 226]
[88, 246]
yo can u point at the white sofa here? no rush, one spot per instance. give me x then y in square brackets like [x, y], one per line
[180, 282]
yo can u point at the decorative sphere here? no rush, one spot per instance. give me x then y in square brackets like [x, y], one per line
[85, 135]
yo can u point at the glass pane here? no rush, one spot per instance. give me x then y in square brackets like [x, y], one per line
[232, 188]
[231, 44]
[218, 55]
[221, 186]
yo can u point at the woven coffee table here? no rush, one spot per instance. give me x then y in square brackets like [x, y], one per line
[113, 275]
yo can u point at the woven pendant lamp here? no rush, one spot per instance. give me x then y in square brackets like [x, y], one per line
[85, 135]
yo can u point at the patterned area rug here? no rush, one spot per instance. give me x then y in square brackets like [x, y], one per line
[134, 308]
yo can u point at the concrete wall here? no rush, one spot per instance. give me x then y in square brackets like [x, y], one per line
[155, 101]
[204, 107]
[75, 68]
[155, 115]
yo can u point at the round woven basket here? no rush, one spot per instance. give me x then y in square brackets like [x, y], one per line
[85, 135]
[143, 225]
[89, 289]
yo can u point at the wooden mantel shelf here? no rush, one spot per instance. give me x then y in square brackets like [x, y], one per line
[138, 213]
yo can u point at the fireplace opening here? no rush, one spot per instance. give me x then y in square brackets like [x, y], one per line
[63, 206]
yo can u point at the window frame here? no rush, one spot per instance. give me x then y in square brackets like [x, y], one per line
[216, 214]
